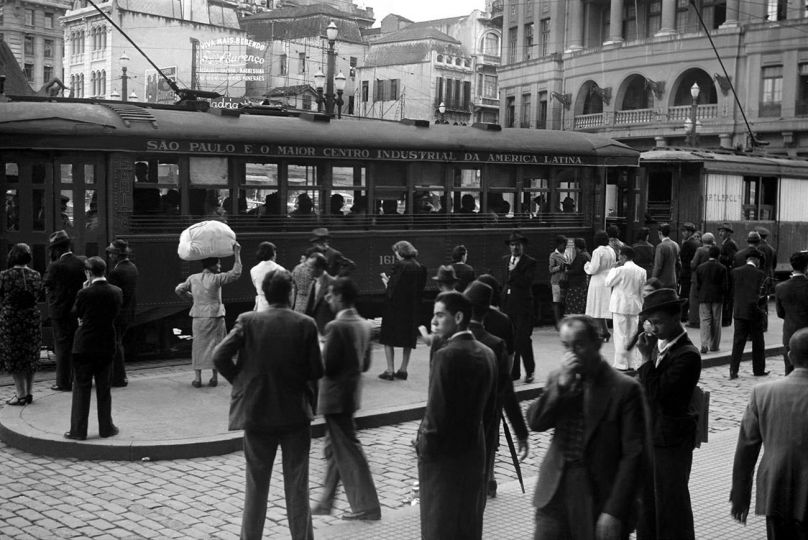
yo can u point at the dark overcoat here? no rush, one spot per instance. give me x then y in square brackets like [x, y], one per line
[402, 303]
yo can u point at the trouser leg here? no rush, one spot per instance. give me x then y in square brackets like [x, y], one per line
[332, 478]
[674, 514]
[82, 389]
[295, 447]
[259, 454]
[758, 347]
[103, 368]
[351, 463]
[738, 343]
[63, 331]
[119, 362]
[717, 310]
[705, 324]
[523, 330]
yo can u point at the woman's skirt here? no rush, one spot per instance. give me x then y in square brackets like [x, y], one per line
[208, 332]
[575, 301]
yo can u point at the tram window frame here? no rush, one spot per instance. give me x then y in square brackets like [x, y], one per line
[154, 179]
[500, 181]
[459, 190]
[759, 198]
[350, 192]
[267, 188]
[315, 189]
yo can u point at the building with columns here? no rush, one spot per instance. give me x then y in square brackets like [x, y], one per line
[627, 69]
[33, 32]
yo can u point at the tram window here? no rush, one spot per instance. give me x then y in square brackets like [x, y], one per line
[91, 210]
[466, 195]
[260, 193]
[759, 198]
[390, 204]
[207, 203]
[12, 173]
[156, 187]
[208, 171]
[66, 173]
[12, 210]
[430, 200]
[65, 220]
[501, 204]
[500, 177]
[304, 195]
[569, 196]
[38, 214]
[348, 188]
[89, 173]
[536, 197]
[428, 174]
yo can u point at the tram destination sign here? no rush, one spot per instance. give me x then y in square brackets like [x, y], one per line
[372, 154]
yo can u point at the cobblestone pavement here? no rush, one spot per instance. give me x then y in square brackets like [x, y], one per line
[45, 498]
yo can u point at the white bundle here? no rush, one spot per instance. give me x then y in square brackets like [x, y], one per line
[206, 239]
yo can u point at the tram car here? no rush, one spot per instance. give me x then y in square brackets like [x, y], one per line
[144, 172]
[711, 187]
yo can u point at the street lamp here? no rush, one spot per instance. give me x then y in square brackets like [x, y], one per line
[339, 82]
[124, 59]
[330, 33]
[442, 111]
[319, 79]
[692, 122]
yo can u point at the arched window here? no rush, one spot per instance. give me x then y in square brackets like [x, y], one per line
[490, 44]
[103, 31]
[94, 82]
[440, 58]
[81, 86]
[103, 82]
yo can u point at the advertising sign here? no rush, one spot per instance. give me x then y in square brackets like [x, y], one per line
[157, 89]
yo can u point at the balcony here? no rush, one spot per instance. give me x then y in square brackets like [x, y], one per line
[497, 11]
[589, 121]
[635, 117]
[488, 59]
[682, 112]
[481, 102]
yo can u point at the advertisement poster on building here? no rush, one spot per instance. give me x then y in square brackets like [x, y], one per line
[226, 64]
[157, 88]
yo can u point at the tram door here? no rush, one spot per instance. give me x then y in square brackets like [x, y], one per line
[78, 202]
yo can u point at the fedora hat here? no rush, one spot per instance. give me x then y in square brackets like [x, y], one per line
[763, 232]
[446, 274]
[753, 237]
[661, 299]
[754, 252]
[320, 233]
[479, 294]
[516, 236]
[59, 238]
[119, 247]
[726, 227]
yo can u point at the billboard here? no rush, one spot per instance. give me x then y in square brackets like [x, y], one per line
[157, 89]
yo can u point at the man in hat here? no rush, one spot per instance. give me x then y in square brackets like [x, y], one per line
[669, 377]
[769, 253]
[791, 301]
[479, 294]
[753, 241]
[644, 251]
[337, 264]
[517, 302]
[689, 246]
[446, 278]
[124, 276]
[749, 285]
[775, 419]
[592, 472]
[451, 443]
[727, 257]
[667, 265]
[317, 306]
[64, 278]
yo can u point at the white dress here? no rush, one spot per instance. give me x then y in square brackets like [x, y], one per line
[257, 275]
[599, 295]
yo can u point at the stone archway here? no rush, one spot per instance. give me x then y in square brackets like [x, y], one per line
[681, 88]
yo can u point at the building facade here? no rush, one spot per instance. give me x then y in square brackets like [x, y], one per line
[197, 43]
[626, 69]
[33, 31]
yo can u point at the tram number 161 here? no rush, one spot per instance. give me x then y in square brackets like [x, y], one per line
[387, 259]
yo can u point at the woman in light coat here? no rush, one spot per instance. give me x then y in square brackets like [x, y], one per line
[599, 294]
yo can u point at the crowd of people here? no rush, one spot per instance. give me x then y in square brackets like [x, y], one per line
[624, 428]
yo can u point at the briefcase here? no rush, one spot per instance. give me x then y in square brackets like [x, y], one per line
[700, 406]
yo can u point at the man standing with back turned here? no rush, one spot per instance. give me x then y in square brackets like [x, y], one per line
[124, 276]
[775, 418]
[461, 405]
[274, 380]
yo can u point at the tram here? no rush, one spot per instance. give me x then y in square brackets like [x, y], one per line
[747, 190]
[143, 172]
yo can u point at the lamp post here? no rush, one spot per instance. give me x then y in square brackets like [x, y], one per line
[692, 122]
[319, 79]
[339, 82]
[124, 59]
[442, 111]
[330, 33]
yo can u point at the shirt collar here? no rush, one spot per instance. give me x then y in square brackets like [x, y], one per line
[461, 333]
[664, 346]
[98, 279]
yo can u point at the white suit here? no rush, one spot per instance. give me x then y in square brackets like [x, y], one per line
[625, 304]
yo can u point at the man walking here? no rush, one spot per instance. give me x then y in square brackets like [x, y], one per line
[517, 303]
[124, 276]
[701, 256]
[791, 301]
[775, 419]
[711, 282]
[451, 446]
[667, 264]
[337, 264]
[748, 285]
[63, 280]
[626, 281]
[753, 243]
[592, 473]
[96, 309]
[689, 247]
[346, 355]
[669, 377]
[274, 378]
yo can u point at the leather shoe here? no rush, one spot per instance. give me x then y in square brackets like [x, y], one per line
[400, 375]
[516, 377]
[367, 515]
[58, 388]
[387, 376]
[112, 433]
[703, 350]
[764, 374]
[528, 378]
[73, 437]
[733, 376]
[321, 510]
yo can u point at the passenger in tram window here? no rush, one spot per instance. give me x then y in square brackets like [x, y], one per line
[304, 206]
[422, 203]
[337, 202]
[468, 204]
[12, 211]
[145, 200]
[64, 216]
[568, 204]
[271, 206]
[91, 217]
[170, 202]
[359, 207]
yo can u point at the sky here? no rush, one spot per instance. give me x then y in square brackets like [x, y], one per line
[421, 10]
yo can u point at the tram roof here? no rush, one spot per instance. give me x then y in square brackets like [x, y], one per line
[119, 126]
[730, 162]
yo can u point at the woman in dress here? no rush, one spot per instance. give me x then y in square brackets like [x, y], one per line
[20, 332]
[577, 280]
[205, 289]
[302, 276]
[266, 265]
[598, 295]
[405, 285]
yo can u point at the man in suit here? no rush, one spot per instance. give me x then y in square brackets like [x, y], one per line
[274, 378]
[753, 243]
[479, 294]
[463, 271]
[769, 253]
[791, 301]
[689, 246]
[317, 306]
[517, 303]
[669, 377]
[337, 264]
[644, 251]
[711, 282]
[63, 280]
[124, 276]
[96, 309]
[346, 355]
[701, 256]
[451, 444]
[775, 419]
[728, 250]
[667, 264]
[626, 281]
[748, 283]
[592, 473]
